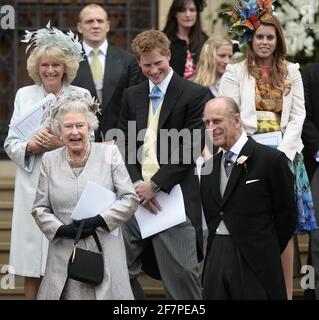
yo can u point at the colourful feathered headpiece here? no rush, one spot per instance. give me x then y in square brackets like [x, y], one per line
[246, 16]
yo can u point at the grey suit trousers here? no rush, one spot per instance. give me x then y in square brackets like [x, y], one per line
[176, 255]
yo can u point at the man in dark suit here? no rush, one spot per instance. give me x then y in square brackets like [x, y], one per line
[310, 139]
[249, 205]
[163, 102]
[106, 70]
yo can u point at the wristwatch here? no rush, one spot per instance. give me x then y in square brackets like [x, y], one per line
[155, 187]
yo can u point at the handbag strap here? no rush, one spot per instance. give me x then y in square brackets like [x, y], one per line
[79, 232]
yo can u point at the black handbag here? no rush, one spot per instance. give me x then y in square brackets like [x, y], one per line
[85, 265]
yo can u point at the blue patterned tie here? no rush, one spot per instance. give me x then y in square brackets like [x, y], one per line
[228, 162]
[156, 96]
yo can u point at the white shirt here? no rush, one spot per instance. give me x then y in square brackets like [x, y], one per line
[163, 84]
[102, 53]
[236, 148]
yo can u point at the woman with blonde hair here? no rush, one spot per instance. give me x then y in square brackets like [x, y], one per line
[214, 57]
[52, 65]
[269, 91]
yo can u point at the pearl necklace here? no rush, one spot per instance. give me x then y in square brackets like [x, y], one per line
[82, 161]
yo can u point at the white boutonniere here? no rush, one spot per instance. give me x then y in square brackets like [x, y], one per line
[242, 161]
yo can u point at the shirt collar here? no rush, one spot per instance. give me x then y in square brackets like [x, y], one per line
[236, 148]
[164, 83]
[103, 48]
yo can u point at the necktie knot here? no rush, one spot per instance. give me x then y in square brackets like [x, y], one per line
[156, 97]
[228, 155]
[155, 93]
[95, 51]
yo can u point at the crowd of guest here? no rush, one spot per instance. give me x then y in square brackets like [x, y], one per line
[244, 211]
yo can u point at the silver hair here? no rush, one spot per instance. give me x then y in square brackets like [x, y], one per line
[73, 106]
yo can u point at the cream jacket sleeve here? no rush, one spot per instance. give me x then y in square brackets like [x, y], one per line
[14, 146]
[42, 209]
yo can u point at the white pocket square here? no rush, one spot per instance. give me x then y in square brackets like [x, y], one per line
[251, 181]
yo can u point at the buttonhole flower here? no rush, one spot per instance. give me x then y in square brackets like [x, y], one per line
[242, 161]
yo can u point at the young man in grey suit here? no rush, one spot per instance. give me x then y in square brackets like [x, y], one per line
[249, 205]
[164, 102]
[106, 70]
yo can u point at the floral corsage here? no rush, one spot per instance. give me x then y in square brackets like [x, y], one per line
[242, 161]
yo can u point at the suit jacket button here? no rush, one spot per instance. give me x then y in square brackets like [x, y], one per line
[221, 213]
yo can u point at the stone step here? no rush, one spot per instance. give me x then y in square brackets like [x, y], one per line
[8, 169]
[4, 257]
[6, 190]
[153, 288]
[152, 292]
[5, 239]
[5, 215]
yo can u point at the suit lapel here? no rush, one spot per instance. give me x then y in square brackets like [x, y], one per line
[142, 106]
[216, 178]
[173, 92]
[316, 73]
[112, 74]
[237, 169]
[87, 76]
[172, 95]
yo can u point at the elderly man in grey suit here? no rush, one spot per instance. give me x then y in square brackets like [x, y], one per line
[106, 70]
[249, 205]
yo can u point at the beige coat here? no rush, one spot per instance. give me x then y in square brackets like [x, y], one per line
[28, 247]
[237, 84]
[57, 195]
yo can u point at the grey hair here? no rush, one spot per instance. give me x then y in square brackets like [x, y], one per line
[73, 106]
[231, 106]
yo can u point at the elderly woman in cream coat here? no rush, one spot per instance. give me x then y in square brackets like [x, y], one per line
[64, 174]
[52, 65]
